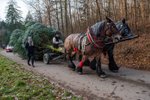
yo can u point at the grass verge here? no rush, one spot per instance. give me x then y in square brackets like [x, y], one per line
[19, 84]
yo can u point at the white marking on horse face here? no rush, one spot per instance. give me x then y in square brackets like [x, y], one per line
[119, 36]
[116, 38]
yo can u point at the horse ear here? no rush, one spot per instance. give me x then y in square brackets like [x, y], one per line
[108, 20]
[124, 20]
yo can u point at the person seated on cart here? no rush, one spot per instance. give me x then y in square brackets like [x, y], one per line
[57, 41]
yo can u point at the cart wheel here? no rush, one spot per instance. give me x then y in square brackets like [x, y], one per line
[46, 58]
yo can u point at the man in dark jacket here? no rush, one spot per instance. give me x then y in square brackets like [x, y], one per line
[30, 51]
[57, 40]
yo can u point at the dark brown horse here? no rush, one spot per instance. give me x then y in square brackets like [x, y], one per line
[90, 45]
[126, 32]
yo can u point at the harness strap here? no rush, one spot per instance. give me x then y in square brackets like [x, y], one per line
[83, 43]
[80, 38]
[91, 40]
[80, 43]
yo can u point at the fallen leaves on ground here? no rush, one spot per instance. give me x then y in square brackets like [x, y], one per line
[133, 53]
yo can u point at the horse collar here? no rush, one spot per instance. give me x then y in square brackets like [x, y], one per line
[92, 40]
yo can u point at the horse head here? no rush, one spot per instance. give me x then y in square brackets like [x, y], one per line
[111, 30]
[124, 29]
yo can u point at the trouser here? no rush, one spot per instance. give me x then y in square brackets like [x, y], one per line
[30, 58]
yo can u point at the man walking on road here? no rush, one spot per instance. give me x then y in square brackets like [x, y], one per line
[30, 51]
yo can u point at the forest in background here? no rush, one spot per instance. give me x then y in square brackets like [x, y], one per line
[72, 16]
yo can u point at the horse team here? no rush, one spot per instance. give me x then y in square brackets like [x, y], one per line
[91, 45]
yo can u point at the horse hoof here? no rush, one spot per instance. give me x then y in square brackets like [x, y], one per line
[103, 76]
[80, 73]
[79, 70]
[93, 67]
[114, 71]
[69, 66]
[73, 69]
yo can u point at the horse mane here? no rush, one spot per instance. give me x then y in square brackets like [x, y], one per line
[98, 28]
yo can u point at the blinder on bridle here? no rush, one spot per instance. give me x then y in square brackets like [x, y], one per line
[124, 29]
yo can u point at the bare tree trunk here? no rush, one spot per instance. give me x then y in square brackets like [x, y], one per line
[135, 14]
[62, 21]
[66, 17]
[57, 16]
[148, 9]
[87, 13]
[70, 16]
[98, 9]
[39, 12]
[125, 9]
[78, 16]
[49, 12]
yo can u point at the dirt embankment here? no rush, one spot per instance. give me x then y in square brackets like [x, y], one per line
[134, 53]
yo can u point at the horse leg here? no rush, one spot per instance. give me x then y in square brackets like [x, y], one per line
[81, 64]
[79, 57]
[99, 70]
[112, 64]
[70, 62]
[93, 64]
[86, 63]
